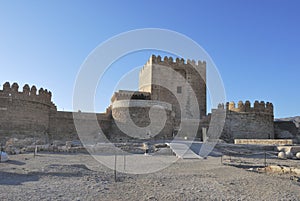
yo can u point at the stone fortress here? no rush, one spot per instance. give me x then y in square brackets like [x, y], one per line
[31, 114]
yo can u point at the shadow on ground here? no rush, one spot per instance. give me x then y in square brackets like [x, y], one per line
[8, 178]
[54, 170]
[14, 162]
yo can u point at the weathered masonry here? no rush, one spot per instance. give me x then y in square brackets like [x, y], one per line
[176, 86]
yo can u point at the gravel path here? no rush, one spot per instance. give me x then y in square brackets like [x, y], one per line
[80, 177]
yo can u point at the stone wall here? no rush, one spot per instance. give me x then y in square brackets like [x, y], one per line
[25, 113]
[286, 130]
[62, 125]
[130, 113]
[246, 122]
[127, 95]
[264, 141]
[32, 114]
[145, 78]
[166, 87]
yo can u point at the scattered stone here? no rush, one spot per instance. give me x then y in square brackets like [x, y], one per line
[39, 142]
[152, 198]
[16, 146]
[65, 178]
[68, 144]
[3, 156]
[295, 178]
[289, 155]
[298, 155]
[281, 155]
[58, 143]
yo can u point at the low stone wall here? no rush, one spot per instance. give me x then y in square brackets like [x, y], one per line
[264, 141]
[293, 149]
[280, 170]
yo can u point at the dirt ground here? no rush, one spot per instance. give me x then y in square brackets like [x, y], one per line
[79, 176]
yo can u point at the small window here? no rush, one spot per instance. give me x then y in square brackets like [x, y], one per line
[179, 90]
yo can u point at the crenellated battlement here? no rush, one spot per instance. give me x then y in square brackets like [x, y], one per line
[258, 107]
[127, 95]
[12, 91]
[177, 62]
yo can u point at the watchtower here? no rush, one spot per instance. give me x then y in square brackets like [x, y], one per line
[175, 90]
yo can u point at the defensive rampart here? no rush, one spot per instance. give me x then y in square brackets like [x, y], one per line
[24, 112]
[248, 122]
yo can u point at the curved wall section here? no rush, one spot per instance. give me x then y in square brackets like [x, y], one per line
[24, 112]
[137, 111]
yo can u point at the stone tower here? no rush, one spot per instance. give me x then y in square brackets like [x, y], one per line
[24, 113]
[173, 90]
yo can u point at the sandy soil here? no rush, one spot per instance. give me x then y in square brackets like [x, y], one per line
[80, 177]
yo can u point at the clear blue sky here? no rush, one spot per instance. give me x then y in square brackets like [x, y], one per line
[255, 44]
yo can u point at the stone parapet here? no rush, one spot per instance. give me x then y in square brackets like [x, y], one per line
[246, 122]
[127, 95]
[258, 107]
[140, 103]
[11, 92]
[170, 61]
